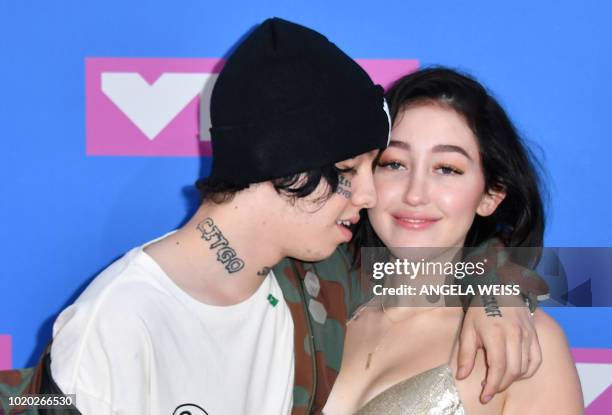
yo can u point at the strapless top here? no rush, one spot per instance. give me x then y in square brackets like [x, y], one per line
[429, 393]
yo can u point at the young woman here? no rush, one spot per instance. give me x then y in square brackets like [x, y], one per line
[455, 174]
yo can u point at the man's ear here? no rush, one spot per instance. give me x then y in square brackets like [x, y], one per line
[490, 201]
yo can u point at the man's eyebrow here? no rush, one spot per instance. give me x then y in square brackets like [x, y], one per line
[440, 148]
[400, 144]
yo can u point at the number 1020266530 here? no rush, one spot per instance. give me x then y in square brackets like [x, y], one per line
[41, 401]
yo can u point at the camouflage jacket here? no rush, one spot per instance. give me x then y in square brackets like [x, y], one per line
[321, 297]
[31, 381]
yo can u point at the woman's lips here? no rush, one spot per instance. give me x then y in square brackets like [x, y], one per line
[414, 222]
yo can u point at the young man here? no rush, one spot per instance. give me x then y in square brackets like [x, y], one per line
[197, 318]
[196, 321]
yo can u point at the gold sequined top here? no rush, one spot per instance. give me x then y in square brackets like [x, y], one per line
[429, 393]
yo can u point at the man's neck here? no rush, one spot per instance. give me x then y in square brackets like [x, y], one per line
[221, 255]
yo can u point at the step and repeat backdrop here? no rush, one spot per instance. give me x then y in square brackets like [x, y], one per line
[101, 140]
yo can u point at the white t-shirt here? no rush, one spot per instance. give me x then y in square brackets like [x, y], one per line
[135, 343]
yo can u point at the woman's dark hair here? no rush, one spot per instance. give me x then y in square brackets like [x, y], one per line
[295, 186]
[507, 163]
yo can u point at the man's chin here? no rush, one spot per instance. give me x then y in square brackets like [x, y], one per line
[314, 255]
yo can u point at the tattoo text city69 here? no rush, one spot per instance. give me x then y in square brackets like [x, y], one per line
[225, 254]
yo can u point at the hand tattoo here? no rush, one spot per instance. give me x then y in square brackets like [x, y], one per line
[491, 306]
[225, 255]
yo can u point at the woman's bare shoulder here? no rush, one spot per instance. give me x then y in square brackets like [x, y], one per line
[549, 328]
[555, 387]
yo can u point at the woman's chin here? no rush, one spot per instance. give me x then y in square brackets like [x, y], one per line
[415, 243]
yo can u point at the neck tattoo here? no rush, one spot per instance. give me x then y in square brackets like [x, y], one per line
[264, 271]
[225, 254]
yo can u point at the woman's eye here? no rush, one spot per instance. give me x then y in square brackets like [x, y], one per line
[391, 165]
[448, 170]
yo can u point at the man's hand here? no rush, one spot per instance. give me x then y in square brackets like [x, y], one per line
[509, 340]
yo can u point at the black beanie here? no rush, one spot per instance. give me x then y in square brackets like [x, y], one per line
[289, 101]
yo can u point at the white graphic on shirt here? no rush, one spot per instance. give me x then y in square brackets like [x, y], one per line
[189, 409]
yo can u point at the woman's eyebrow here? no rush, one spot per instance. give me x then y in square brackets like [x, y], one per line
[440, 148]
[444, 148]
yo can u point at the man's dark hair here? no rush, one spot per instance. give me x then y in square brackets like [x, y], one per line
[295, 186]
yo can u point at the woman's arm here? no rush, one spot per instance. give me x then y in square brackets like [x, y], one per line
[555, 387]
